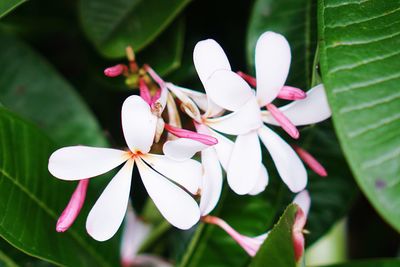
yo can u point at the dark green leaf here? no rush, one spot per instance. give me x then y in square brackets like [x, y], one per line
[360, 62]
[33, 89]
[113, 25]
[277, 250]
[296, 21]
[30, 201]
[6, 6]
[369, 263]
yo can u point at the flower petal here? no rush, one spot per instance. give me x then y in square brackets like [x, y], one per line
[288, 164]
[177, 206]
[303, 199]
[228, 90]
[239, 122]
[186, 173]
[81, 162]
[208, 57]
[262, 182]
[223, 148]
[138, 124]
[272, 66]
[182, 148]
[188, 105]
[212, 181]
[245, 163]
[314, 108]
[108, 212]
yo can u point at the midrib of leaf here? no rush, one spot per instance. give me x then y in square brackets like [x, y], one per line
[12, 7]
[8, 261]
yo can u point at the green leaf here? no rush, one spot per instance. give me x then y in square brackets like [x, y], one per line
[33, 88]
[30, 201]
[360, 59]
[369, 263]
[6, 6]
[277, 250]
[296, 20]
[111, 26]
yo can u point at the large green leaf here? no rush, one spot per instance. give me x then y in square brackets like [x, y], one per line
[30, 201]
[113, 25]
[6, 6]
[277, 250]
[32, 88]
[296, 21]
[369, 263]
[360, 62]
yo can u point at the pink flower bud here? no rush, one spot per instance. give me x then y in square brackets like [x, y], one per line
[311, 161]
[115, 70]
[291, 93]
[297, 234]
[144, 91]
[73, 208]
[283, 121]
[249, 79]
[183, 133]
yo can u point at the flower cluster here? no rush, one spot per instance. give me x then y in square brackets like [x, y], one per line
[228, 120]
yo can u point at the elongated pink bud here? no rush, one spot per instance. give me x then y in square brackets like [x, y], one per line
[291, 93]
[249, 79]
[144, 91]
[73, 208]
[183, 133]
[297, 234]
[311, 161]
[115, 70]
[283, 121]
[154, 75]
[249, 244]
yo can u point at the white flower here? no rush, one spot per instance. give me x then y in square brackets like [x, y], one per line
[228, 90]
[160, 175]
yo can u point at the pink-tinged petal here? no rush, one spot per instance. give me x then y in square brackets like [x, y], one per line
[177, 171]
[177, 206]
[208, 57]
[272, 59]
[81, 162]
[262, 182]
[138, 124]
[283, 121]
[223, 148]
[297, 234]
[174, 118]
[311, 161]
[244, 120]
[149, 260]
[249, 79]
[182, 148]
[291, 93]
[134, 234]
[303, 200]
[183, 133]
[245, 163]
[228, 90]
[314, 108]
[211, 185]
[116, 70]
[188, 106]
[73, 208]
[108, 212]
[144, 91]
[288, 164]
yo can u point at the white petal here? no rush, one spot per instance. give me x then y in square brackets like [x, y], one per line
[198, 97]
[212, 181]
[303, 199]
[208, 57]
[224, 149]
[177, 206]
[182, 148]
[109, 210]
[81, 162]
[150, 260]
[134, 234]
[228, 90]
[262, 182]
[288, 164]
[186, 173]
[138, 124]
[189, 107]
[239, 122]
[272, 66]
[245, 163]
[314, 108]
